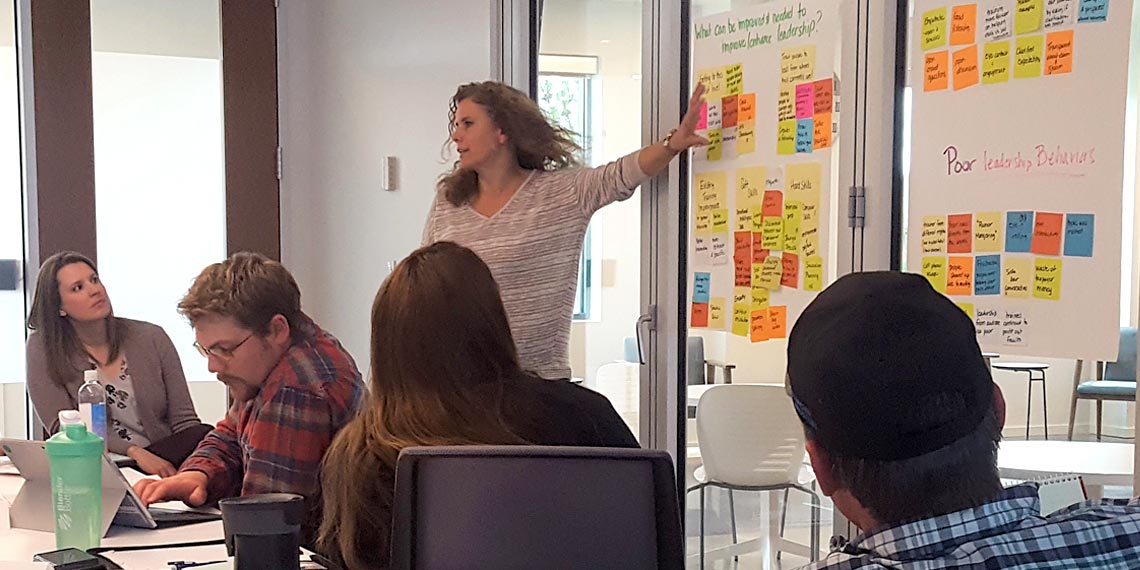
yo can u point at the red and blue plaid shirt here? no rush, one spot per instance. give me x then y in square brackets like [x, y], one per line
[274, 443]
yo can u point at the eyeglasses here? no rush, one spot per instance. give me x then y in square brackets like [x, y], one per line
[220, 352]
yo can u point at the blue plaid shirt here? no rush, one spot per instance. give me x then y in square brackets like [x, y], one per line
[1008, 532]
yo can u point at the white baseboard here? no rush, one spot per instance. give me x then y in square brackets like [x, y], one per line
[1061, 431]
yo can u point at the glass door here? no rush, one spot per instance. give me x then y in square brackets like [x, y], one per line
[13, 404]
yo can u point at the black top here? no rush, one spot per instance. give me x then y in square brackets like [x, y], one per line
[557, 412]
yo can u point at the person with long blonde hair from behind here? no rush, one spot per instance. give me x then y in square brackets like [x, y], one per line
[445, 371]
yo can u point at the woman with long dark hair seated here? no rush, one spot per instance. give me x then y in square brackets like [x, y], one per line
[445, 371]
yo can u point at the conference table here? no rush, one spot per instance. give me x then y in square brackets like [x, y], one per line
[1098, 463]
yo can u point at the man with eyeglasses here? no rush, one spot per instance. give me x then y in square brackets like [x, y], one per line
[293, 386]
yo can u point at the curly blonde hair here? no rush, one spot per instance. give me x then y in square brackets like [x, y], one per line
[538, 143]
[249, 287]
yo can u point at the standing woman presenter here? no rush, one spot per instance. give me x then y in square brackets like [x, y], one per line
[519, 198]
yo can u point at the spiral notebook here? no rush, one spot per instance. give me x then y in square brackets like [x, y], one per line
[1056, 490]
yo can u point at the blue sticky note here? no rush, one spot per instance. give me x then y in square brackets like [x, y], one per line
[805, 133]
[1079, 235]
[700, 287]
[1018, 231]
[1093, 11]
[987, 275]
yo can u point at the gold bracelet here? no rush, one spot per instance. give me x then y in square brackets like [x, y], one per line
[668, 138]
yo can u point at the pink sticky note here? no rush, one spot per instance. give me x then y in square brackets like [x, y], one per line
[703, 119]
[805, 101]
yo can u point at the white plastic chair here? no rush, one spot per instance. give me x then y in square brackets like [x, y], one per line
[751, 440]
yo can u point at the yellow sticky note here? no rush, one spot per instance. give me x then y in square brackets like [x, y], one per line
[741, 310]
[995, 63]
[793, 212]
[734, 79]
[749, 193]
[934, 269]
[702, 223]
[967, 308]
[813, 273]
[809, 223]
[716, 313]
[720, 221]
[786, 137]
[988, 231]
[773, 237]
[786, 104]
[803, 181]
[760, 295]
[934, 234]
[757, 218]
[705, 76]
[934, 28]
[1017, 277]
[1028, 53]
[1028, 17]
[715, 86]
[770, 273]
[1047, 278]
[711, 191]
[797, 64]
[714, 147]
[746, 137]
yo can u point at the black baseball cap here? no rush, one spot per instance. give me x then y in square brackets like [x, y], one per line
[883, 367]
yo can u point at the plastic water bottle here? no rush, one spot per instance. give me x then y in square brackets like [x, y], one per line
[76, 465]
[93, 404]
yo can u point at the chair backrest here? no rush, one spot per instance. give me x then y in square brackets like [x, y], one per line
[694, 357]
[483, 507]
[749, 435]
[1125, 366]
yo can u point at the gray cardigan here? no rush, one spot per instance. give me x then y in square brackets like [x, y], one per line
[163, 398]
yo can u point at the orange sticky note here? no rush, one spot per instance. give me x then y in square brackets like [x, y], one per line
[759, 325]
[778, 322]
[791, 270]
[824, 93]
[1059, 52]
[821, 138]
[1047, 233]
[700, 315]
[728, 111]
[960, 233]
[746, 107]
[960, 276]
[773, 203]
[963, 24]
[936, 71]
[758, 251]
[966, 67]
[742, 258]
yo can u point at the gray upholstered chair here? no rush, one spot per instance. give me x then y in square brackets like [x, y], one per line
[1115, 381]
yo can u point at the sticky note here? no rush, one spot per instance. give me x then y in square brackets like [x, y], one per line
[805, 130]
[1059, 52]
[1093, 11]
[758, 327]
[716, 313]
[728, 112]
[995, 63]
[1047, 233]
[702, 254]
[786, 137]
[702, 223]
[778, 321]
[803, 181]
[701, 283]
[719, 243]
[734, 79]
[821, 136]
[936, 71]
[797, 64]
[793, 212]
[1079, 235]
[1029, 16]
[746, 138]
[774, 179]
[742, 245]
[741, 310]
[757, 221]
[705, 76]
[963, 24]
[790, 275]
[760, 297]
[1027, 56]
[703, 116]
[809, 235]
[1058, 13]
[773, 232]
[773, 203]
[987, 275]
[699, 318]
[934, 269]
[720, 220]
[759, 254]
[786, 104]
[823, 96]
[770, 273]
[965, 67]
[714, 147]
[813, 273]
[987, 231]
[710, 191]
[959, 233]
[1017, 277]
[1047, 278]
[997, 22]
[960, 276]
[805, 100]
[742, 271]
[746, 107]
[715, 84]
[967, 308]
[749, 193]
[934, 28]
[933, 234]
[1018, 231]
[714, 121]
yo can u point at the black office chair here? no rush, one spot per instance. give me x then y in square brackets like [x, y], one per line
[503, 507]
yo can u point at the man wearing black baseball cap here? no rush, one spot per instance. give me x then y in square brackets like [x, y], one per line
[903, 424]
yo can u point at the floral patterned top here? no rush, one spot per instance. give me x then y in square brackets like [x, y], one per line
[122, 407]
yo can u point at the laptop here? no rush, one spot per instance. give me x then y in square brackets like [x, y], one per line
[121, 505]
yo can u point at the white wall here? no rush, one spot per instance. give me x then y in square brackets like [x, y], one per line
[358, 80]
